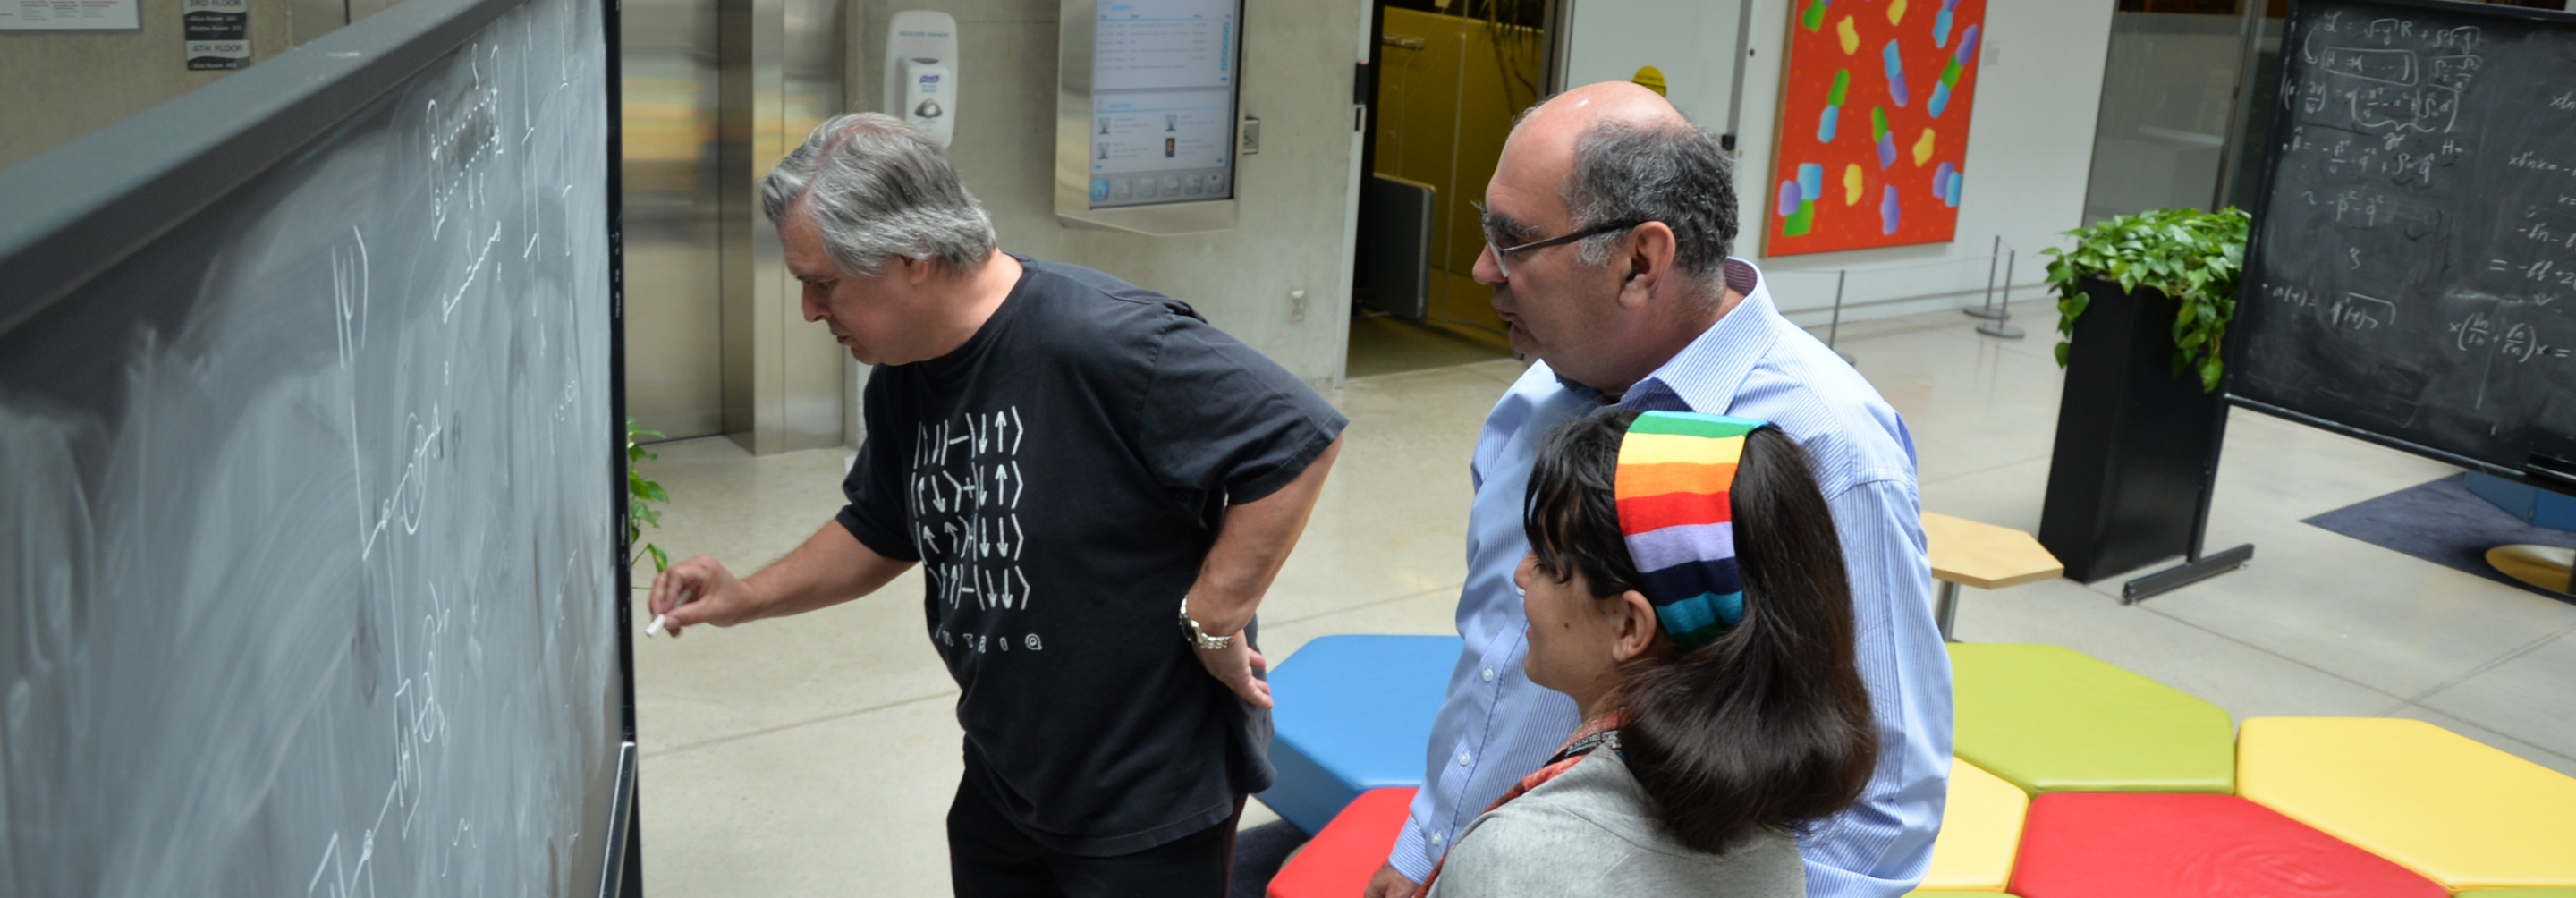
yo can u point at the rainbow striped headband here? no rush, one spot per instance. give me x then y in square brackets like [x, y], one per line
[1675, 509]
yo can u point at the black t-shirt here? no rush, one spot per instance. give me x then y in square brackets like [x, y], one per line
[1060, 477]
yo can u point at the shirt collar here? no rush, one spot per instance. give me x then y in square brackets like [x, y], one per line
[1705, 374]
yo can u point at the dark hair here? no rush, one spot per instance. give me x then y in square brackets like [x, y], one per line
[1672, 172]
[1769, 725]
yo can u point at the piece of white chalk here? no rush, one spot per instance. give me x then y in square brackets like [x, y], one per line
[656, 628]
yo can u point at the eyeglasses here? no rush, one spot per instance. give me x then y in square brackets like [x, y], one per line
[1502, 254]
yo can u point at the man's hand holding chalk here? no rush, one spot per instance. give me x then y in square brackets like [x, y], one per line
[830, 568]
[696, 591]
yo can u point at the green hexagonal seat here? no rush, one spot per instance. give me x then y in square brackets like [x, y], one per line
[2051, 719]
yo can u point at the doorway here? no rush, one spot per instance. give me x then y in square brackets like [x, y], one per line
[1451, 75]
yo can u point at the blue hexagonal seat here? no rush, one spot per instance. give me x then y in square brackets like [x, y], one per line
[1354, 714]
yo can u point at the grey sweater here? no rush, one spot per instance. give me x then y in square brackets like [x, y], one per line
[1590, 831]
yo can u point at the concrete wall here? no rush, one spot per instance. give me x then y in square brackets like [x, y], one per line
[2030, 150]
[1691, 41]
[1298, 197]
[63, 85]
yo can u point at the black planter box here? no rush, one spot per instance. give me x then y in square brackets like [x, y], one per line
[2133, 439]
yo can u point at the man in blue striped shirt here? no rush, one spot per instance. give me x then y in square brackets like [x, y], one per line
[1609, 222]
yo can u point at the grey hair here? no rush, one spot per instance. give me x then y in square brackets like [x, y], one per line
[1675, 173]
[877, 187]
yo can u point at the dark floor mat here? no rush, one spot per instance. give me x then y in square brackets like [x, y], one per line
[1259, 852]
[2442, 522]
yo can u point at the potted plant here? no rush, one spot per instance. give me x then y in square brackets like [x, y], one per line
[2144, 302]
[641, 493]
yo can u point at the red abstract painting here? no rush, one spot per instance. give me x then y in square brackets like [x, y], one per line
[1873, 124]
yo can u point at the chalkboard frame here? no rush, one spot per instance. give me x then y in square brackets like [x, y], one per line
[2249, 289]
[79, 209]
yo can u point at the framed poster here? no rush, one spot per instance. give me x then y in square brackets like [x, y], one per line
[70, 15]
[1873, 131]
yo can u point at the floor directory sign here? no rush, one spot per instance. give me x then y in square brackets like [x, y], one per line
[1162, 94]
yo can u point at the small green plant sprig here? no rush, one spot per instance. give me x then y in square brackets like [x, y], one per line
[641, 493]
[2193, 256]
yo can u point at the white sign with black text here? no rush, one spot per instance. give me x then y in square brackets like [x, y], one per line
[218, 34]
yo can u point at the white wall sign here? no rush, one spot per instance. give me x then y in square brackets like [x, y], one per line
[218, 34]
[70, 15]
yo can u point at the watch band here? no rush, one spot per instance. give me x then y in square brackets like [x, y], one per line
[1198, 638]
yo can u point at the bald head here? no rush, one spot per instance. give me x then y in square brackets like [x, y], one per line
[1566, 115]
[1540, 150]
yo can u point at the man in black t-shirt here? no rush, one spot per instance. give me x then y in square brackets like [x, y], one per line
[1099, 486]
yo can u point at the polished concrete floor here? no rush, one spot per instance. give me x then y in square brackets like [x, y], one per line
[816, 755]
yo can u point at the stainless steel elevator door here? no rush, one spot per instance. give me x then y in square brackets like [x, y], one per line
[673, 222]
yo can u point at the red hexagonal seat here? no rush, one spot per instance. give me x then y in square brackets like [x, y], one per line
[1338, 862]
[2135, 845]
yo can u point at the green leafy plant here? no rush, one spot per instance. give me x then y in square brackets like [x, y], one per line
[641, 493]
[2193, 256]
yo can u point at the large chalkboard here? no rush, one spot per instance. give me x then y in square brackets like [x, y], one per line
[310, 490]
[2412, 274]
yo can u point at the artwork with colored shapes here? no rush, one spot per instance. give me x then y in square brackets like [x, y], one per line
[1903, 72]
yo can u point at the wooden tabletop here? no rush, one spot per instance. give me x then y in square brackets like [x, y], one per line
[1985, 556]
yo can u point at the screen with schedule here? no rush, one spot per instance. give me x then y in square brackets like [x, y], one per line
[1163, 91]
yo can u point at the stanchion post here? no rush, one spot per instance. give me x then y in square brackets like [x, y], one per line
[2001, 325]
[1988, 310]
[1836, 328]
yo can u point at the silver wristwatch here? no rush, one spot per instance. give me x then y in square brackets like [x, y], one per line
[1198, 638]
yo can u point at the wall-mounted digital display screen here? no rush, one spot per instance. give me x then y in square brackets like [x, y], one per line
[1163, 82]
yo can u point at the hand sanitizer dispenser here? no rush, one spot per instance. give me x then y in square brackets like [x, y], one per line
[921, 72]
[929, 88]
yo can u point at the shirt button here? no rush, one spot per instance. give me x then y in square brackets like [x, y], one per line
[1464, 757]
[1489, 675]
[1437, 838]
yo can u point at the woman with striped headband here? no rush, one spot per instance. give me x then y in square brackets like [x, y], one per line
[1685, 586]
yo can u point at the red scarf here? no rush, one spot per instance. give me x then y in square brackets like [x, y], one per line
[1602, 730]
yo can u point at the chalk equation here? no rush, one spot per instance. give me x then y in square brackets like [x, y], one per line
[2546, 231]
[2545, 271]
[2519, 343]
[2353, 311]
[424, 514]
[2373, 95]
[2363, 210]
[2352, 152]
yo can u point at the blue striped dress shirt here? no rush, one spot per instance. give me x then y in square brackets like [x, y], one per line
[1495, 726]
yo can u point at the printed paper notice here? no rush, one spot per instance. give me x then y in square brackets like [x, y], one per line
[69, 15]
[218, 34]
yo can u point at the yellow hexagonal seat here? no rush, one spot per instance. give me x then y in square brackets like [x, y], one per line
[2461, 813]
[1980, 833]
[2051, 719]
